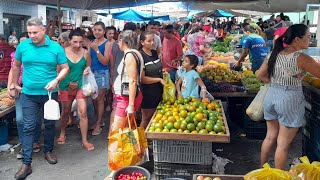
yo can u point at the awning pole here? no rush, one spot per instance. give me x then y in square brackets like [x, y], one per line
[59, 16]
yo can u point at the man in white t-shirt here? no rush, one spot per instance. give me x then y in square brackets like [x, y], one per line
[157, 41]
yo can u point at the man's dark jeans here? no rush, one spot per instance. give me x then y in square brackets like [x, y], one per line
[32, 107]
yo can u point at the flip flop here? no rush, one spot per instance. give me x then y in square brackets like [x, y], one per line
[61, 140]
[36, 148]
[96, 133]
[88, 147]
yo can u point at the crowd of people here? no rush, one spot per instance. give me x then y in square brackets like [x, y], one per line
[128, 68]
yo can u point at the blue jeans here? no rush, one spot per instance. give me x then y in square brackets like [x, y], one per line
[269, 44]
[19, 120]
[32, 114]
[173, 75]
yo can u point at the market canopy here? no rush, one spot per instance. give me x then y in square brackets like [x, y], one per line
[272, 6]
[132, 15]
[93, 4]
[220, 13]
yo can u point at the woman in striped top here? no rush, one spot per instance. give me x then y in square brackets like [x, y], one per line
[284, 104]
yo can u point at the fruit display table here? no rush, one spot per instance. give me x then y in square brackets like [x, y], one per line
[216, 177]
[7, 111]
[6, 104]
[219, 95]
[219, 138]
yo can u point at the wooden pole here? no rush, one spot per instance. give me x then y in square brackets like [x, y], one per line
[59, 16]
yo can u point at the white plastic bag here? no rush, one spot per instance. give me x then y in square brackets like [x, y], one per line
[51, 109]
[219, 163]
[208, 96]
[255, 109]
[89, 85]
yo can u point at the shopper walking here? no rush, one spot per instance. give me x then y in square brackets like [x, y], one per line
[117, 56]
[18, 106]
[199, 45]
[270, 35]
[100, 55]
[151, 78]
[129, 70]
[171, 52]
[284, 104]
[40, 57]
[70, 88]
[153, 27]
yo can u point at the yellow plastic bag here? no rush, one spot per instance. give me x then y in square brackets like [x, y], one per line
[267, 173]
[169, 90]
[127, 148]
[306, 170]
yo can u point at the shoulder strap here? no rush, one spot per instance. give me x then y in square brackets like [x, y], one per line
[137, 62]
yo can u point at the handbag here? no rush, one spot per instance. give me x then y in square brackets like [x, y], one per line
[125, 85]
[73, 88]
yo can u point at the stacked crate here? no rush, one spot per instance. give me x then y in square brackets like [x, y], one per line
[181, 159]
[311, 133]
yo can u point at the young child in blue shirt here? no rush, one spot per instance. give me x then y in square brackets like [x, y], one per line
[189, 82]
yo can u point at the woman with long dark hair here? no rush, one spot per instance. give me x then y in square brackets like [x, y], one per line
[151, 78]
[79, 62]
[284, 104]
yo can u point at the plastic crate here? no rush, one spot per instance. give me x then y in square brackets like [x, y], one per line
[307, 94]
[186, 152]
[311, 129]
[185, 171]
[3, 132]
[310, 150]
[254, 129]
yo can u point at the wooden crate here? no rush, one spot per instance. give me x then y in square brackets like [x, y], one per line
[219, 138]
[222, 177]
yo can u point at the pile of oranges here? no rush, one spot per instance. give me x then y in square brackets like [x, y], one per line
[188, 115]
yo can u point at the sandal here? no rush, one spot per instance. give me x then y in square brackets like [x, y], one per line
[96, 133]
[88, 146]
[36, 148]
[61, 140]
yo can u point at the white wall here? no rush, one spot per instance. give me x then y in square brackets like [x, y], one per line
[21, 8]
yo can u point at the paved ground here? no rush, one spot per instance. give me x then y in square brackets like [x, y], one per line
[77, 164]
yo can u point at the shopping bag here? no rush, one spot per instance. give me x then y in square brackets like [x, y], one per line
[127, 147]
[169, 90]
[255, 109]
[306, 170]
[267, 173]
[89, 85]
[51, 109]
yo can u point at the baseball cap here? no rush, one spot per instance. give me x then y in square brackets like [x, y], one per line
[207, 28]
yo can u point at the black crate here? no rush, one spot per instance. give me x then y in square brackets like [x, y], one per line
[311, 129]
[254, 129]
[185, 171]
[310, 150]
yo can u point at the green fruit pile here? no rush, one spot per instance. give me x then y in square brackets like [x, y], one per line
[221, 74]
[252, 82]
[188, 115]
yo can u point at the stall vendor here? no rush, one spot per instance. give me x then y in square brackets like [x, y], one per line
[255, 46]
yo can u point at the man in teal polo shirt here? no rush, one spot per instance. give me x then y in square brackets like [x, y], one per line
[40, 57]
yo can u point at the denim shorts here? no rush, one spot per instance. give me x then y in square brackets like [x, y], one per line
[102, 78]
[285, 104]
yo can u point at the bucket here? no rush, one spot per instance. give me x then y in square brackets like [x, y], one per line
[3, 132]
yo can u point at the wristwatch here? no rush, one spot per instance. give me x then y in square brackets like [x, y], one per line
[98, 52]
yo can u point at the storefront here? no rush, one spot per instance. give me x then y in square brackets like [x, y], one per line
[14, 15]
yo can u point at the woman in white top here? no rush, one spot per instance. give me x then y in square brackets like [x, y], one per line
[284, 104]
[129, 70]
